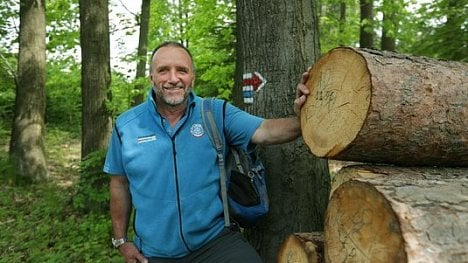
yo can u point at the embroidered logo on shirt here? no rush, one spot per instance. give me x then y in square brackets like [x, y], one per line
[144, 139]
[197, 130]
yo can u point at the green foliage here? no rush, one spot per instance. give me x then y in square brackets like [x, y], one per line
[6, 169]
[92, 195]
[442, 30]
[39, 225]
[212, 38]
[9, 26]
[122, 91]
[62, 27]
[7, 89]
[63, 89]
[335, 29]
[39, 222]
[434, 28]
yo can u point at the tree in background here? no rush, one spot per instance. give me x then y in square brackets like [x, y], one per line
[339, 23]
[389, 25]
[280, 41]
[142, 52]
[96, 117]
[442, 30]
[27, 138]
[366, 32]
[95, 75]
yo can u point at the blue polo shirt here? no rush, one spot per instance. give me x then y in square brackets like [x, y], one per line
[173, 173]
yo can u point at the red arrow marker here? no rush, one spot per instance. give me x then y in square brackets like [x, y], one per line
[252, 82]
[255, 80]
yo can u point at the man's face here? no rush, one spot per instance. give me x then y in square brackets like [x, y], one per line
[172, 75]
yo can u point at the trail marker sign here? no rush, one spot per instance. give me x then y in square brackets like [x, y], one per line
[252, 82]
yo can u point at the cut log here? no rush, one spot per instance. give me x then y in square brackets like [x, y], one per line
[302, 248]
[396, 214]
[386, 108]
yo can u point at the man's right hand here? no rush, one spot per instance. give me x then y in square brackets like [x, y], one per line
[131, 253]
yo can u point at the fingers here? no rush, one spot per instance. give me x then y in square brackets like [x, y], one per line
[131, 253]
[305, 75]
[301, 92]
[298, 103]
[141, 258]
[301, 87]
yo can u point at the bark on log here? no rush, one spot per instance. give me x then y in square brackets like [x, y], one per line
[396, 214]
[302, 248]
[382, 107]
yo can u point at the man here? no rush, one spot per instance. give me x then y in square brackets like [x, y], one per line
[163, 164]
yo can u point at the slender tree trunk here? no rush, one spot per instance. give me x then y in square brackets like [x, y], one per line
[366, 38]
[342, 17]
[27, 138]
[389, 26]
[279, 40]
[95, 74]
[142, 51]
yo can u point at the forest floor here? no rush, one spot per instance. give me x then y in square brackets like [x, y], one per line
[41, 222]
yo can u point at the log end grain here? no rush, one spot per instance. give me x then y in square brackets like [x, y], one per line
[362, 227]
[339, 99]
[302, 248]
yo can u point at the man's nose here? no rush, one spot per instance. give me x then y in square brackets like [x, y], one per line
[173, 76]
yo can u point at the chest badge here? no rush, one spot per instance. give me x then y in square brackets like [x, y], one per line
[197, 130]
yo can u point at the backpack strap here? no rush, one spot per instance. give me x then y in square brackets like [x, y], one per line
[210, 126]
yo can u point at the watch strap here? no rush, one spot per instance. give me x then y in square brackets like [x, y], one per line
[119, 241]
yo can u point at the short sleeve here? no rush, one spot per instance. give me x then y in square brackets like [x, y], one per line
[240, 126]
[113, 164]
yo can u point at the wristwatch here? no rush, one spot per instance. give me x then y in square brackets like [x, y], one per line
[119, 241]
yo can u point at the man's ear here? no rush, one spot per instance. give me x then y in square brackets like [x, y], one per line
[150, 77]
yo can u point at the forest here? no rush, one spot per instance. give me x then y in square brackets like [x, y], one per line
[67, 72]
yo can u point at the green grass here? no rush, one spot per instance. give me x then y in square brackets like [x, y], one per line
[39, 223]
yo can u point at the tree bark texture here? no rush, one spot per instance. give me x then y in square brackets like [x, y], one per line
[142, 51]
[302, 248]
[27, 138]
[375, 107]
[95, 75]
[398, 214]
[279, 39]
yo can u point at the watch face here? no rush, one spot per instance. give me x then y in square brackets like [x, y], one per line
[118, 242]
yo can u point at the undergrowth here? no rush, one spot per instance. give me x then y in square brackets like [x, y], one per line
[41, 223]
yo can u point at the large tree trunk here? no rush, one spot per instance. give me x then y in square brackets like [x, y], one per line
[279, 39]
[27, 137]
[142, 51]
[95, 75]
[374, 107]
[394, 214]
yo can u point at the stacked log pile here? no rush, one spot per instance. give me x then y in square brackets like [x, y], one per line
[406, 119]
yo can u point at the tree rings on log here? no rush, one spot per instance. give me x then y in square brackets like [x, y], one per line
[302, 248]
[386, 108]
[398, 214]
